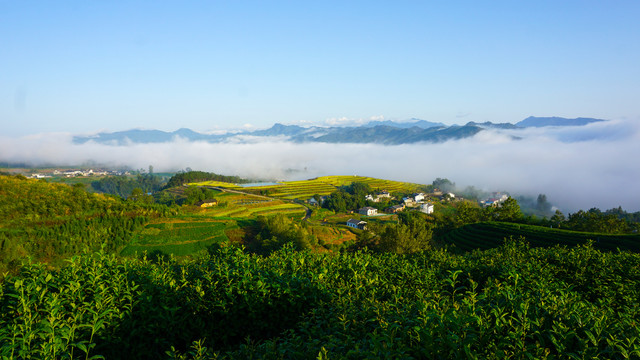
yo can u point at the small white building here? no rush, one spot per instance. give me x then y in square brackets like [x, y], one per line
[368, 211]
[357, 224]
[384, 194]
[418, 197]
[426, 208]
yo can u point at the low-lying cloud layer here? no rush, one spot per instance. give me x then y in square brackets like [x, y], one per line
[576, 167]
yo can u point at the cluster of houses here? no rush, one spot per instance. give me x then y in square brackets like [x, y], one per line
[378, 197]
[495, 199]
[76, 172]
[416, 200]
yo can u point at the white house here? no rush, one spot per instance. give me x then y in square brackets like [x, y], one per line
[418, 197]
[384, 194]
[368, 211]
[357, 224]
[426, 208]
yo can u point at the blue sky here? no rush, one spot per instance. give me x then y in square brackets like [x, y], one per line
[86, 66]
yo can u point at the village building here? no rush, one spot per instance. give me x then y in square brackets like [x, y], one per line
[357, 224]
[207, 203]
[368, 211]
[426, 208]
[495, 199]
[394, 209]
[418, 197]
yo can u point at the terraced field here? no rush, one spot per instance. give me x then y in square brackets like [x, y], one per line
[381, 184]
[492, 234]
[259, 208]
[325, 185]
[221, 184]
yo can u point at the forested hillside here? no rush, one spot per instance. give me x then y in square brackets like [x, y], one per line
[49, 222]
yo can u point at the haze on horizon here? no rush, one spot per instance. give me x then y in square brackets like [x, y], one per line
[576, 167]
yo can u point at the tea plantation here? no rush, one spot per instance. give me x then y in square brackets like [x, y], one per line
[511, 302]
[487, 235]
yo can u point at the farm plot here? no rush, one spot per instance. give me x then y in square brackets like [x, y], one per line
[297, 189]
[492, 234]
[178, 238]
[305, 189]
[374, 183]
[220, 184]
[243, 206]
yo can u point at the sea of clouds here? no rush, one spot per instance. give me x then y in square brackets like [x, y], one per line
[576, 167]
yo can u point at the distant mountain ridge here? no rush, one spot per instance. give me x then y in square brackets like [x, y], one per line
[533, 121]
[378, 132]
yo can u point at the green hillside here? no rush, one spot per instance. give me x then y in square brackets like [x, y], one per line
[50, 222]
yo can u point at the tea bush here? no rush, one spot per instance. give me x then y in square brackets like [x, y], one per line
[509, 302]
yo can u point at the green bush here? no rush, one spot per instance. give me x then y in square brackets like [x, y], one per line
[509, 302]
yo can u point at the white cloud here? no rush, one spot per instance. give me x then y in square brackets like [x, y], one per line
[573, 167]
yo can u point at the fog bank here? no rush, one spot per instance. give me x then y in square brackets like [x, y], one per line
[577, 167]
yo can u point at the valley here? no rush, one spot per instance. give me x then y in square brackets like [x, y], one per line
[260, 270]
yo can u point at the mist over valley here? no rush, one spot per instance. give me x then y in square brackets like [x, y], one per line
[578, 167]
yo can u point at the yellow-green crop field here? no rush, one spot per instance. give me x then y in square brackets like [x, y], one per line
[221, 184]
[325, 185]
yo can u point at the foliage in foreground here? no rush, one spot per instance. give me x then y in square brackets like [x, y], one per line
[509, 302]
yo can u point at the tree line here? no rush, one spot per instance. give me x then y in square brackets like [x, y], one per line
[182, 178]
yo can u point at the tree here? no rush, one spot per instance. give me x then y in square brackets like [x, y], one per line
[413, 233]
[509, 210]
[444, 185]
[558, 218]
[542, 204]
[277, 231]
[467, 213]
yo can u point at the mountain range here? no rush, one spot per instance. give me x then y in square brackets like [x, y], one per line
[379, 132]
